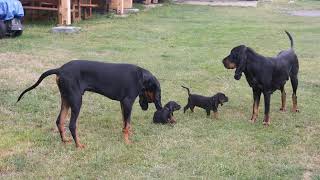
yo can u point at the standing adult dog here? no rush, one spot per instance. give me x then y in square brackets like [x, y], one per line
[265, 75]
[120, 82]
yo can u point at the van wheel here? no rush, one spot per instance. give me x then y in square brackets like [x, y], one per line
[3, 29]
[17, 33]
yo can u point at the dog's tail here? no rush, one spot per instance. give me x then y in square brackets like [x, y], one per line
[290, 37]
[187, 89]
[44, 75]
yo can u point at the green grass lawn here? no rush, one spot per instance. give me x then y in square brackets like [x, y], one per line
[180, 45]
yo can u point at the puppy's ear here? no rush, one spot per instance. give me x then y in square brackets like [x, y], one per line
[170, 107]
[220, 97]
[242, 59]
[215, 100]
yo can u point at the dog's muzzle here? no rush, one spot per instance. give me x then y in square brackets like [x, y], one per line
[178, 107]
[227, 64]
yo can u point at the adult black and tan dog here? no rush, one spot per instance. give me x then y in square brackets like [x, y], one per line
[207, 103]
[120, 82]
[265, 75]
[165, 115]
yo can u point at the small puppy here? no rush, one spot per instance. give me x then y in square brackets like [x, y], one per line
[207, 103]
[165, 115]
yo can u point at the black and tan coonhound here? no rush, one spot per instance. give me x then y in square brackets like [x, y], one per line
[207, 103]
[265, 75]
[120, 82]
[165, 115]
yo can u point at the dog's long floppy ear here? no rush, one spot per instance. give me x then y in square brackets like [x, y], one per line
[145, 80]
[220, 98]
[242, 59]
[143, 102]
[215, 101]
[148, 83]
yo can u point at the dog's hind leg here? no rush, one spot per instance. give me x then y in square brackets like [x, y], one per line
[255, 106]
[75, 101]
[126, 108]
[283, 99]
[266, 120]
[62, 118]
[208, 112]
[63, 114]
[294, 83]
[186, 107]
[192, 108]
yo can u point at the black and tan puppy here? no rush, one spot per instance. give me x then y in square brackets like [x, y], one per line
[165, 115]
[119, 82]
[207, 103]
[265, 75]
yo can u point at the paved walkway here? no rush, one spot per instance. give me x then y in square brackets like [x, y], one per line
[219, 3]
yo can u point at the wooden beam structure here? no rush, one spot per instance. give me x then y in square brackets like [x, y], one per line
[65, 12]
[120, 7]
[69, 11]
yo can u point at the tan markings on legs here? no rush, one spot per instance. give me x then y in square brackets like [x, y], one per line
[295, 103]
[78, 144]
[283, 101]
[126, 132]
[172, 120]
[255, 111]
[266, 121]
[63, 115]
[215, 115]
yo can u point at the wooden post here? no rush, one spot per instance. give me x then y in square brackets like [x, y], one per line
[147, 2]
[120, 7]
[65, 12]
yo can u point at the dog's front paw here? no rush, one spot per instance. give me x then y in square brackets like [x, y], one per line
[266, 121]
[253, 118]
[266, 124]
[283, 109]
[295, 110]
